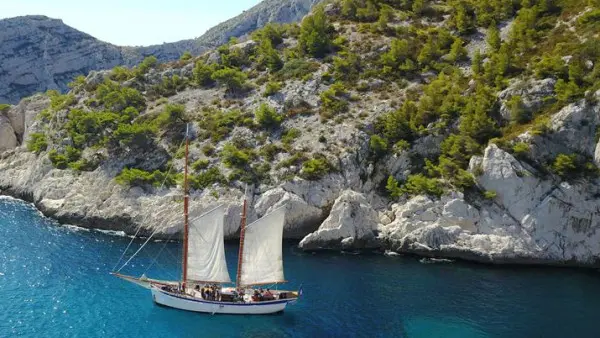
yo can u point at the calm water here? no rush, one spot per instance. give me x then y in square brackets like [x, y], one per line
[54, 282]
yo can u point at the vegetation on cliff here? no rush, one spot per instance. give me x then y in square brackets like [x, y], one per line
[437, 67]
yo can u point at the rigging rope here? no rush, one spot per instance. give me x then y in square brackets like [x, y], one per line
[155, 258]
[143, 222]
[138, 250]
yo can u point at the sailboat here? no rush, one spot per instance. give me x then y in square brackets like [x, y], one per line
[202, 287]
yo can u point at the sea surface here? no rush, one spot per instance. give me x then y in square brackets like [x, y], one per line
[55, 282]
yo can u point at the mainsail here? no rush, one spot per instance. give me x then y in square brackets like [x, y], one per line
[206, 252]
[262, 258]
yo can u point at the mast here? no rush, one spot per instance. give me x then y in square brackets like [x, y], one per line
[242, 234]
[185, 211]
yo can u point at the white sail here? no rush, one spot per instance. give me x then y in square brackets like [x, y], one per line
[206, 253]
[262, 259]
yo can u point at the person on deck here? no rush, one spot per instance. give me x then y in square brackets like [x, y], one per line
[268, 295]
[256, 296]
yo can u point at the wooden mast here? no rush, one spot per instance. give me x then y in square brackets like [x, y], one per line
[242, 234]
[185, 212]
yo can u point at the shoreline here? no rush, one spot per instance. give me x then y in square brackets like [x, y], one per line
[456, 256]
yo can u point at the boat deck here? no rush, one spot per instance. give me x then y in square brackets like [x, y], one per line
[229, 296]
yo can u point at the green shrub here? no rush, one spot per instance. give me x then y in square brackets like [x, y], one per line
[520, 149]
[169, 86]
[134, 135]
[294, 160]
[590, 17]
[489, 194]
[58, 160]
[290, 135]
[401, 146]
[399, 60]
[171, 116]
[268, 151]
[200, 164]
[315, 34]
[233, 157]
[233, 57]
[297, 69]
[346, 66]
[217, 124]
[208, 149]
[272, 32]
[271, 88]
[121, 74]
[378, 145]
[419, 184]
[37, 142]
[333, 100]
[206, 178]
[493, 37]
[148, 63]
[460, 149]
[566, 91]
[203, 73]
[77, 82]
[316, 167]
[90, 128]
[393, 187]
[138, 177]
[233, 79]
[268, 56]
[186, 56]
[267, 117]
[116, 98]
[565, 165]
[58, 101]
[518, 113]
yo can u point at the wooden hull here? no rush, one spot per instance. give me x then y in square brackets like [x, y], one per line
[189, 303]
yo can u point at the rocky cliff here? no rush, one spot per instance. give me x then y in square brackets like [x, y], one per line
[371, 144]
[38, 53]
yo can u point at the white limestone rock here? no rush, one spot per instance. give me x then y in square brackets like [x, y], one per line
[531, 220]
[300, 217]
[533, 94]
[350, 225]
[8, 138]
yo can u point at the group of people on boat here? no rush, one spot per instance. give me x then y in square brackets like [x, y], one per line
[260, 295]
[209, 292]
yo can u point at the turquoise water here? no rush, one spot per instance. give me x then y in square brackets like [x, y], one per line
[54, 282]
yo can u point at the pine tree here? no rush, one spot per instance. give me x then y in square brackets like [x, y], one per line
[457, 51]
[315, 37]
[493, 37]
[477, 62]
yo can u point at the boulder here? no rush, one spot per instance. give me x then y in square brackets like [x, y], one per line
[350, 225]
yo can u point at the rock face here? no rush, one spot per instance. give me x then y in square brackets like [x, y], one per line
[8, 139]
[38, 53]
[351, 224]
[533, 95]
[266, 11]
[531, 220]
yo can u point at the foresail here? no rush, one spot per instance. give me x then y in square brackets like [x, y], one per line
[262, 259]
[206, 251]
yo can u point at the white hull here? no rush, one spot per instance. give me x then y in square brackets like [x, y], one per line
[189, 303]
